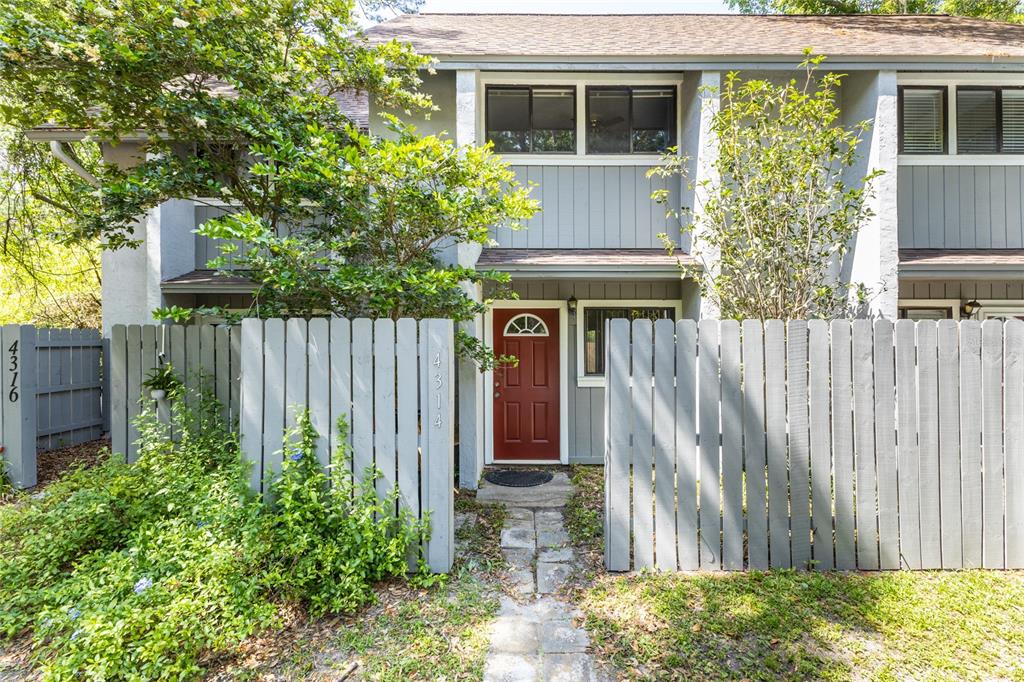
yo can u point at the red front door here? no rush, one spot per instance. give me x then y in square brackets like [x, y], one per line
[526, 397]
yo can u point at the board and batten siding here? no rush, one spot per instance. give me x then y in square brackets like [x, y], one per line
[961, 207]
[585, 417]
[591, 207]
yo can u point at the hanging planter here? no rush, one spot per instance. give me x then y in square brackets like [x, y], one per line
[161, 382]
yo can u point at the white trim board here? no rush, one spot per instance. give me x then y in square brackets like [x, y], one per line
[563, 385]
[584, 381]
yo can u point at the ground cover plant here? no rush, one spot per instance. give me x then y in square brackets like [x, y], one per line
[146, 570]
[584, 512]
[788, 625]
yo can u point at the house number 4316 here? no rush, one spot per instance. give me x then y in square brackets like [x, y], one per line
[12, 361]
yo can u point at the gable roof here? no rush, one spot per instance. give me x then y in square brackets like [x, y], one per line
[706, 35]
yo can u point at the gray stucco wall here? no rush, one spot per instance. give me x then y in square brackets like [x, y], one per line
[961, 207]
[585, 417]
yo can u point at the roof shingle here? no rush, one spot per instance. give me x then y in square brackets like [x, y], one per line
[710, 35]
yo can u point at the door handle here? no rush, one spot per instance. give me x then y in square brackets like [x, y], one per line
[497, 394]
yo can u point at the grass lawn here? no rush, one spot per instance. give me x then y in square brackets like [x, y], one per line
[797, 626]
[789, 625]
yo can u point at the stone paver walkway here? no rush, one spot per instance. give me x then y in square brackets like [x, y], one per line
[533, 638]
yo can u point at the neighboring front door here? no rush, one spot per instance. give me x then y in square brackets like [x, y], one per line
[526, 397]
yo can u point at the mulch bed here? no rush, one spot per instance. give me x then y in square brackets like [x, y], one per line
[51, 465]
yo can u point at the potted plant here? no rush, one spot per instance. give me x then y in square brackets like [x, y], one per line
[161, 381]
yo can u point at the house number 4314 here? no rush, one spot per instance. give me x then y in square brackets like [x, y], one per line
[438, 385]
[12, 361]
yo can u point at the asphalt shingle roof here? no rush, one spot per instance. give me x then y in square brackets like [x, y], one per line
[710, 35]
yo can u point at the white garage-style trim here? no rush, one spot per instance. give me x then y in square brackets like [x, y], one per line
[563, 380]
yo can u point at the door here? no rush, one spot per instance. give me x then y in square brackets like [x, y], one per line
[526, 397]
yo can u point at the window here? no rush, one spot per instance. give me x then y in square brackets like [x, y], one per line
[531, 119]
[922, 123]
[526, 325]
[630, 120]
[989, 120]
[926, 314]
[593, 330]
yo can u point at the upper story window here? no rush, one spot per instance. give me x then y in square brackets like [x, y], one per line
[985, 119]
[989, 120]
[630, 120]
[531, 118]
[922, 122]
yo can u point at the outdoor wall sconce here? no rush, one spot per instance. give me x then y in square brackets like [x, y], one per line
[968, 308]
[571, 304]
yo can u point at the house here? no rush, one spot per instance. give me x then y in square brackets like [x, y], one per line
[582, 105]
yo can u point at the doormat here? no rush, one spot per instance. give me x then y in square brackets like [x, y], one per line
[518, 478]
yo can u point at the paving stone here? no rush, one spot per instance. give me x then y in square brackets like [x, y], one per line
[567, 668]
[501, 667]
[551, 576]
[561, 637]
[519, 558]
[522, 580]
[560, 554]
[552, 538]
[519, 514]
[513, 635]
[518, 538]
[546, 608]
[549, 518]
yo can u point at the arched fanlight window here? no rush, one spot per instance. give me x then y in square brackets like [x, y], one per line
[526, 325]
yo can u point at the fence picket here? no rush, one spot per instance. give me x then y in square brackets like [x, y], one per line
[318, 339]
[992, 442]
[133, 386]
[775, 428]
[709, 388]
[407, 407]
[643, 443]
[949, 445]
[274, 399]
[752, 351]
[362, 394]
[617, 537]
[799, 443]
[251, 413]
[885, 446]
[439, 463]
[842, 443]
[820, 444]
[864, 446]
[221, 373]
[732, 448]
[208, 358]
[928, 442]
[686, 445]
[341, 391]
[908, 454]
[970, 442]
[384, 420]
[664, 446]
[1013, 378]
[118, 397]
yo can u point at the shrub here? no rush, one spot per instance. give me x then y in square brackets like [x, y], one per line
[138, 571]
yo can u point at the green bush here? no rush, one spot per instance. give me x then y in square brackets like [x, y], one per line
[139, 571]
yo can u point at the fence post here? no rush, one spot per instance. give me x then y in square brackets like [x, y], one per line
[439, 459]
[19, 404]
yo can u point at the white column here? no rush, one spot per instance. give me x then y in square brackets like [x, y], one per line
[874, 252]
[701, 102]
[471, 381]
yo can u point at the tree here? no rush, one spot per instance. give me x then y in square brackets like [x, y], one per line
[999, 10]
[239, 101]
[45, 278]
[779, 218]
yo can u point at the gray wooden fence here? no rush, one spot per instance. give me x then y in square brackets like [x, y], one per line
[390, 381]
[204, 355]
[862, 445]
[52, 394]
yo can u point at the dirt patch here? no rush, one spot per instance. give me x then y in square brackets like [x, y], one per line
[51, 465]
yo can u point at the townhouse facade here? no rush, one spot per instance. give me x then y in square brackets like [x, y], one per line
[582, 106]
